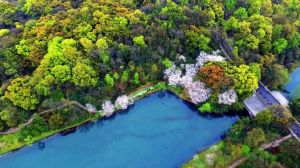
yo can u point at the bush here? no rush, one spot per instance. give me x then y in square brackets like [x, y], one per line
[290, 154]
[56, 120]
[260, 159]
[207, 107]
[255, 137]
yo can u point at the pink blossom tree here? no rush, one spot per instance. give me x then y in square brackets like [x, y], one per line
[198, 92]
[229, 97]
[196, 89]
[108, 108]
[123, 102]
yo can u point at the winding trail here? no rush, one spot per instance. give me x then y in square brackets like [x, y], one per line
[68, 103]
[272, 144]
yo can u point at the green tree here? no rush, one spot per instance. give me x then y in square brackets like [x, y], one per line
[4, 32]
[139, 40]
[56, 120]
[255, 137]
[290, 154]
[102, 45]
[62, 73]
[260, 159]
[207, 107]
[21, 93]
[197, 38]
[109, 80]
[167, 63]
[230, 5]
[241, 13]
[84, 75]
[279, 77]
[264, 117]
[87, 44]
[279, 45]
[255, 69]
[245, 82]
[136, 79]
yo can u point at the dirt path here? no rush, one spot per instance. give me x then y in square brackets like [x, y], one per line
[272, 144]
[69, 103]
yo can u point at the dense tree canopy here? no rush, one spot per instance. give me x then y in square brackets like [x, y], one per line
[96, 50]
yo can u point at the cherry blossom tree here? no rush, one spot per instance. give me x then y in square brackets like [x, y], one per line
[229, 97]
[182, 58]
[108, 108]
[123, 102]
[204, 57]
[198, 92]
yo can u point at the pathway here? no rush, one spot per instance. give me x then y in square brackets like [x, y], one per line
[76, 103]
[272, 144]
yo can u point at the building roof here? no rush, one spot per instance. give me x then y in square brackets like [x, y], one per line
[280, 98]
[263, 98]
[254, 105]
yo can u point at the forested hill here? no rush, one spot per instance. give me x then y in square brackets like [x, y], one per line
[92, 49]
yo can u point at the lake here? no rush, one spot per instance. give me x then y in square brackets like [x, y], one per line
[160, 130]
[293, 86]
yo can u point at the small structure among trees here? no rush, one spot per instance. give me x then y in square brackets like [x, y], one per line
[262, 99]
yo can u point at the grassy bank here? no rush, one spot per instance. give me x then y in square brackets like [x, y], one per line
[11, 141]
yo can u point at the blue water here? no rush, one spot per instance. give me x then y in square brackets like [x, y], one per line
[159, 131]
[293, 86]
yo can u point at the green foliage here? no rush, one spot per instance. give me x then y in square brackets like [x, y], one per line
[84, 75]
[207, 107]
[139, 40]
[4, 32]
[87, 44]
[264, 117]
[109, 80]
[62, 73]
[245, 82]
[59, 44]
[255, 69]
[230, 4]
[167, 63]
[136, 79]
[261, 159]
[241, 13]
[279, 45]
[102, 44]
[255, 137]
[280, 76]
[245, 150]
[290, 154]
[56, 120]
[21, 93]
[196, 39]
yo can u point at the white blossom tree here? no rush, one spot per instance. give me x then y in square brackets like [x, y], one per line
[196, 89]
[229, 97]
[204, 57]
[108, 108]
[123, 102]
[198, 92]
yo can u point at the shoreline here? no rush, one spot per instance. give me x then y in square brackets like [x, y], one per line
[137, 94]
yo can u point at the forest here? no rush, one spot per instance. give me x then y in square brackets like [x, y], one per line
[96, 50]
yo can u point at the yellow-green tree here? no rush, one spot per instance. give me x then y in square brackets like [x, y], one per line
[84, 75]
[22, 94]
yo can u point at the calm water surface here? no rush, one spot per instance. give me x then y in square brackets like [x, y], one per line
[160, 130]
[293, 86]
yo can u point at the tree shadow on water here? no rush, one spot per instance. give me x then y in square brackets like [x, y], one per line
[41, 145]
